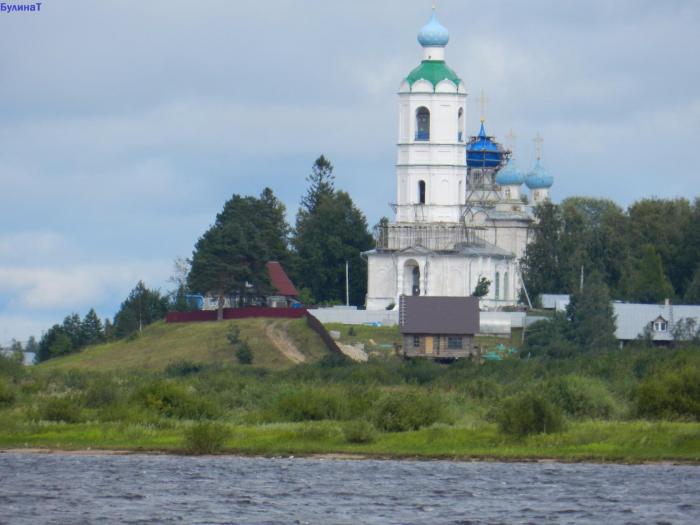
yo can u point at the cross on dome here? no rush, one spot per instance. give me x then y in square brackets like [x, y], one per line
[538, 145]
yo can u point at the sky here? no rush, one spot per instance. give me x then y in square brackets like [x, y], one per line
[125, 125]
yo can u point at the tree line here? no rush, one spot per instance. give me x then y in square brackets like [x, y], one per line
[646, 253]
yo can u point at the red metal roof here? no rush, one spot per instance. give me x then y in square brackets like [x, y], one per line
[280, 281]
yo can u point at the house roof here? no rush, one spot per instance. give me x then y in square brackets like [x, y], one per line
[439, 315]
[280, 281]
[633, 318]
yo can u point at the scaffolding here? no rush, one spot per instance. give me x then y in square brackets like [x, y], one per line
[433, 236]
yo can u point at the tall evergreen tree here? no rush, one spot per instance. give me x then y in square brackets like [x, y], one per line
[321, 184]
[541, 266]
[692, 293]
[72, 326]
[325, 238]
[91, 329]
[53, 343]
[592, 316]
[231, 255]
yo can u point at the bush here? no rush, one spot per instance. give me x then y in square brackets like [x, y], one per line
[171, 400]
[581, 397]
[529, 413]
[244, 354]
[7, 393]
[675, 394]
[183, 368]
[360, 431]
[60, 409]
[310, 404]
[398, 412]
[100, 394]
[205, 438]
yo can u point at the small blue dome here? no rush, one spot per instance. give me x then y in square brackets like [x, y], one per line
[538, 178]
[510, 175]
[433, 34]
[484, 152]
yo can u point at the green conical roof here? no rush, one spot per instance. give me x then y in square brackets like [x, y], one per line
[434, 71]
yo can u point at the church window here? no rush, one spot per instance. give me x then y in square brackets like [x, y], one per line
[422, 123]
[416, 341]
[506, 288]
[454, 342]
[498, 285]
[537, 196]
[421, 192]
[460, 125]
[507, 192]
[416, 281]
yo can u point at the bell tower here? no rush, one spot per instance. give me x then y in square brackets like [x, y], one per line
[431, 165]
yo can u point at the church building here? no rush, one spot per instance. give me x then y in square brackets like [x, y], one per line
[460, 213]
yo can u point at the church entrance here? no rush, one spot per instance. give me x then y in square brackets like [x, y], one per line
[411, 278]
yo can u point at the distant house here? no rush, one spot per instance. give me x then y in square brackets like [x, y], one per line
[283, 295]
[557, 302]
[659, 322]
[438, 327]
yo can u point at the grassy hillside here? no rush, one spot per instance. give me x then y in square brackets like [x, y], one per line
[162, 344]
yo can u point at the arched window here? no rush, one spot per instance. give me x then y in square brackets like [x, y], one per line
[507, 193]
[460, 125]
[506, 288]
[421, 192]
[422, 123]
[498, 285]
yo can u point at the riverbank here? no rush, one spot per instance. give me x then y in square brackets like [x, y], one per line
[634, 442]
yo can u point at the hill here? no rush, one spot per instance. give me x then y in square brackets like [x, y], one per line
[276, 344]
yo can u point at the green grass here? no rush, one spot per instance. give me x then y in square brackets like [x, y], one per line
[632, 442]
[162, 344]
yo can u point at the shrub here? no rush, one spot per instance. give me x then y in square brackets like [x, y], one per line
[672, 395]
[183, 368]
[60, 409]
[400, 412]
[244, 354]
[360, 431]
[205, 438]
[171, 400]
[529, 413]
[7, 393]
[310, 404]
[100, 394]
[581, 397]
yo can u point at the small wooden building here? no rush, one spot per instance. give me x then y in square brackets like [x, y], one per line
[438, 327]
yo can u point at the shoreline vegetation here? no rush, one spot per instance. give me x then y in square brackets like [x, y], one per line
[640, 404]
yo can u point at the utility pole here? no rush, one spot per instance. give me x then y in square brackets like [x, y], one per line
[347, 284]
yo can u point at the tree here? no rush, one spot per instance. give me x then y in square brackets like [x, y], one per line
[541, 268]
[482, 287]
[54, 342]
[142, 307]
[72, 327]
[648, 282]
[321, 184]
[32, 346]
[692, 293]
[91, 330]
[591, 315]
[230, 257]
[325, 238]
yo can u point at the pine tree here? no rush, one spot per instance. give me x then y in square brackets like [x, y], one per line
[91, 329]
[321, 184]
[141, 307]
[592, 316]
[334, 232]
[72, 327]
[692, 294]
[482, 287]
[542, 264]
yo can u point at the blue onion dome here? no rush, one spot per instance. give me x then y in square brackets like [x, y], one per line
[538, 178]
[484, 152]
[510, 175]
[433, 34]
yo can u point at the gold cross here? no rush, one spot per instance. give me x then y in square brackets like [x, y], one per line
[483, 100]
[538, 145]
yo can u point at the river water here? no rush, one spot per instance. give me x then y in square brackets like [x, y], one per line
[75, 489]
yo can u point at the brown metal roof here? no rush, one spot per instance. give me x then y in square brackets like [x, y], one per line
[439, 315]
[280, 281]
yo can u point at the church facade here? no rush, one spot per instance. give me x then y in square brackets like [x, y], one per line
[460, 215]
